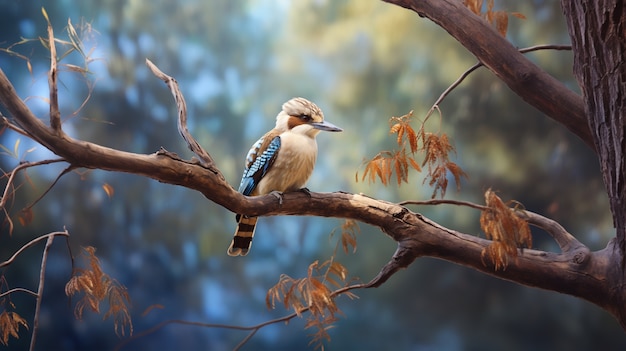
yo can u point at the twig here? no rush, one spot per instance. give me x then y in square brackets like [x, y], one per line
[563, 238]
[9, 292]
[253, 329]
[182, 114]
[480, 64]
[5, 123]
[64, 172]
[31, 243]
[42, 274]
[444, 202]
[55, 114]
[20, 167]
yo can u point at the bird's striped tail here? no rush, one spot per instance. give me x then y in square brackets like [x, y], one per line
[243, 236]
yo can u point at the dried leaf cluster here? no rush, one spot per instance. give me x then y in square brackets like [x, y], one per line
[97, 286]
[10, 323]
[435, 148]
[314, 292]
[498, 19]
[505, 227]
[349, 231]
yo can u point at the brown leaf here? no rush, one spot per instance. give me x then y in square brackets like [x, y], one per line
[412, 137]
[501, 22]
[108, 189]
[26, 216]
[505, 229]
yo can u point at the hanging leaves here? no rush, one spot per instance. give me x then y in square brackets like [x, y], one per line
[349, 231]
[498, 19]
[435, 147]
[98, 286]
[505, 228]
[10, 323]
[314, 293]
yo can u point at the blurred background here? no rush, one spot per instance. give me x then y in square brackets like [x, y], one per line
[237, 62]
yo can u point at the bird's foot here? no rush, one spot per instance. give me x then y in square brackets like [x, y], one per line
[306, 191]
[279, 196]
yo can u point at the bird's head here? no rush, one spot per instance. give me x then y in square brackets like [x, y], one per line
[301, 116]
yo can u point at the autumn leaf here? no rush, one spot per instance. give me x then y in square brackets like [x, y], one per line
[313, 293]
[10, 323]
[505, 228]
[97, 286]
[108, 189]
[25, 216]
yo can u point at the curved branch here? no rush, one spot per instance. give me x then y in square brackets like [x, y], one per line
[182, 114]
[29, 244]
[566, 241]
[42, 275]
[479, 64]
[9, 292]
[528, 81]
[417, 236]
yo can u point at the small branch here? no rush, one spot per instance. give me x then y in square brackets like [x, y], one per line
[563, 238]
[20, 167]
[444, 202]
[253, 329]
[64, 172]
[182, 114]
[55, 114]
[4, 122]
[477, 65]
[9, 292]
[31, 243]
[402, 258]
[42, 274]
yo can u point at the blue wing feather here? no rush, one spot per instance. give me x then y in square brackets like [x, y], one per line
[259, 165]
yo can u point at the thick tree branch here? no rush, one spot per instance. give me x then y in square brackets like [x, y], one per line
[568, 272]
[528, 81]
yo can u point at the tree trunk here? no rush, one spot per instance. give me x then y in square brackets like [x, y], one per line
[598, 32]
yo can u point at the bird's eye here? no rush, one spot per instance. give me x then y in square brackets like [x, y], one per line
[305, 118]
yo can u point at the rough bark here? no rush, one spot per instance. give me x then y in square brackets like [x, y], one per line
[598, 33]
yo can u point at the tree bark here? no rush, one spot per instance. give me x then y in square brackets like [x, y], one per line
[598, 32]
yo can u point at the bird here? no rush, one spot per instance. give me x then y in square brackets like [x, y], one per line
[281, 161]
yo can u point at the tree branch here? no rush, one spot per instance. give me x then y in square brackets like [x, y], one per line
[479, 64]
[416, 235]
[42, 275]
[506, 62]
[55, 113]
[29, 244]
[182, 114]
[566, 241]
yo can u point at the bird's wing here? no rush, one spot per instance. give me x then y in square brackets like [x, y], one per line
[259, 160]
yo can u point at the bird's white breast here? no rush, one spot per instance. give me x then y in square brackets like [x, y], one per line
[293, 165]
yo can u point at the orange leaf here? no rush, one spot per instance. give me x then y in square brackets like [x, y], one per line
[414, 164]
[502, 22]
[26, 216]
[412, 136]
[108, 189]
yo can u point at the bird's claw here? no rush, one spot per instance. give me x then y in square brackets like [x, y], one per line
[306, 191]
[279, 196]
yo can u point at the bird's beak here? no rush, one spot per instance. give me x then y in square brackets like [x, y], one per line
[326, 126]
